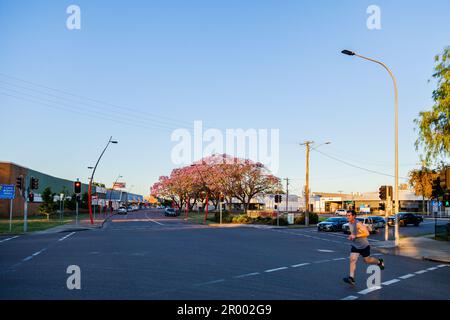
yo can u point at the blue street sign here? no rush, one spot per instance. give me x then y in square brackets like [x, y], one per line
[7, 191]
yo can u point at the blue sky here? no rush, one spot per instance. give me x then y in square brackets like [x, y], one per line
[159, 65]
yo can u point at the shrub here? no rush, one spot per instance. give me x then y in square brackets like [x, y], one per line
[226, 217]
[313, 218]
[242, 219]
[282, 221]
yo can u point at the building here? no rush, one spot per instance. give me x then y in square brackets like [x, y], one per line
[9, 172]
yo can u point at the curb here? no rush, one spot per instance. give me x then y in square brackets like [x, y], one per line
[436, 259]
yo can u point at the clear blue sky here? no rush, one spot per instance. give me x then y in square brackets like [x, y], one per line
[231, 64]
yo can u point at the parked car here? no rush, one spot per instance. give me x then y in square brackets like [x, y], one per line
[341, 212]
[378, 222]
[170, 212]
[331, 224]
[122, 210]
[367, 221]
[405, 218]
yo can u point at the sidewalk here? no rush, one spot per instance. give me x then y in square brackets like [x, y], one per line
[84, 224]
[423, 248]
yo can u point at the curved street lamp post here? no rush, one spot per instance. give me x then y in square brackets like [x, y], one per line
[92, 178]
[351, 53]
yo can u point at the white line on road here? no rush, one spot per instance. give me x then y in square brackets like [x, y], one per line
[33, 255]
[431, 269]
[161, 224]
[390, 282]
[65, 237]
[4, 240]
[322, 261]
[300, 265]
[442, 265]
[323, 250]
[277, 269]
[350, 298]
[420, 271]
[368, 290]
[247, 275]
[210, 282]
[339, 259]
[407, 276]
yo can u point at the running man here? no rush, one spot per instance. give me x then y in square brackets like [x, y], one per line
[360, 246]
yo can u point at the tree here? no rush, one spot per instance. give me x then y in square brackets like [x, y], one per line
[434, 125]
[47, 206]
[421, 180]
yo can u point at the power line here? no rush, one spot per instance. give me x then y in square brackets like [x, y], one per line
[355, 166]
[154, 117]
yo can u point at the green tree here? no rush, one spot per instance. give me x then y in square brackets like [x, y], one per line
[434, 125]
[84, 201]
[70, 203]
[421, 180]
[48, 206]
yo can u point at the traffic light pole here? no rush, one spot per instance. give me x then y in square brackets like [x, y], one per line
[25, 209]
[387, 208]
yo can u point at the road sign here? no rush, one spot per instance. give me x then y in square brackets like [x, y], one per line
[7, 191]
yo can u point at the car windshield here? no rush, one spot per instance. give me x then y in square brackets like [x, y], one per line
[333, 219]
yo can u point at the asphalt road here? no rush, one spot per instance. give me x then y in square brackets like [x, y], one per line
[148, 256]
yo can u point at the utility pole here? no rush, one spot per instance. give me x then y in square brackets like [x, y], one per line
[25, 209]
[308, 146]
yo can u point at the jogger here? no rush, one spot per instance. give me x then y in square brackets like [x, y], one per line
[360, 246]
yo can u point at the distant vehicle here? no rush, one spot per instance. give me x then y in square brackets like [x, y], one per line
[331, 224]
[341, 212]
[405, 218]
[122, 210]
[170, 212]
[378, 221]
[367, 221]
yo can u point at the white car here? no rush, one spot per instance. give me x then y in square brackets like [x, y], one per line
[341, 212]
[368, 222]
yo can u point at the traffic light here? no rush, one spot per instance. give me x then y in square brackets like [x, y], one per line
[446, 200]
[34, 185]
[445, 179]
[382, 192]
[31, 197]
[436, 189]
[222, 198]
[19, 183]
[278, 198]
[77, 187]
[381, 206]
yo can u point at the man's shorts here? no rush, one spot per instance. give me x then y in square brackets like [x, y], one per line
[363, 252]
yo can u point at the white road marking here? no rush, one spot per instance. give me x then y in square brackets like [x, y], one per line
[65, 237]
[338, 259]
[4, 240]
[442, 265]
[247, 275]
[431, 269]
[407, 276]
[322, 261]
[161, 224]
[277, 269]
[33, 255]
[350, 298]
[390, 282]
[421, 271]
[210, 282]
[323, 250]
[368, 290]
[300, 265]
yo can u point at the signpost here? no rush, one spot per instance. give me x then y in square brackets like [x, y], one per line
[8, 192]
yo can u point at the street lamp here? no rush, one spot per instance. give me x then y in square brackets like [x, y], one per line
[308, 148]
[351, 53]
[92, 178]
